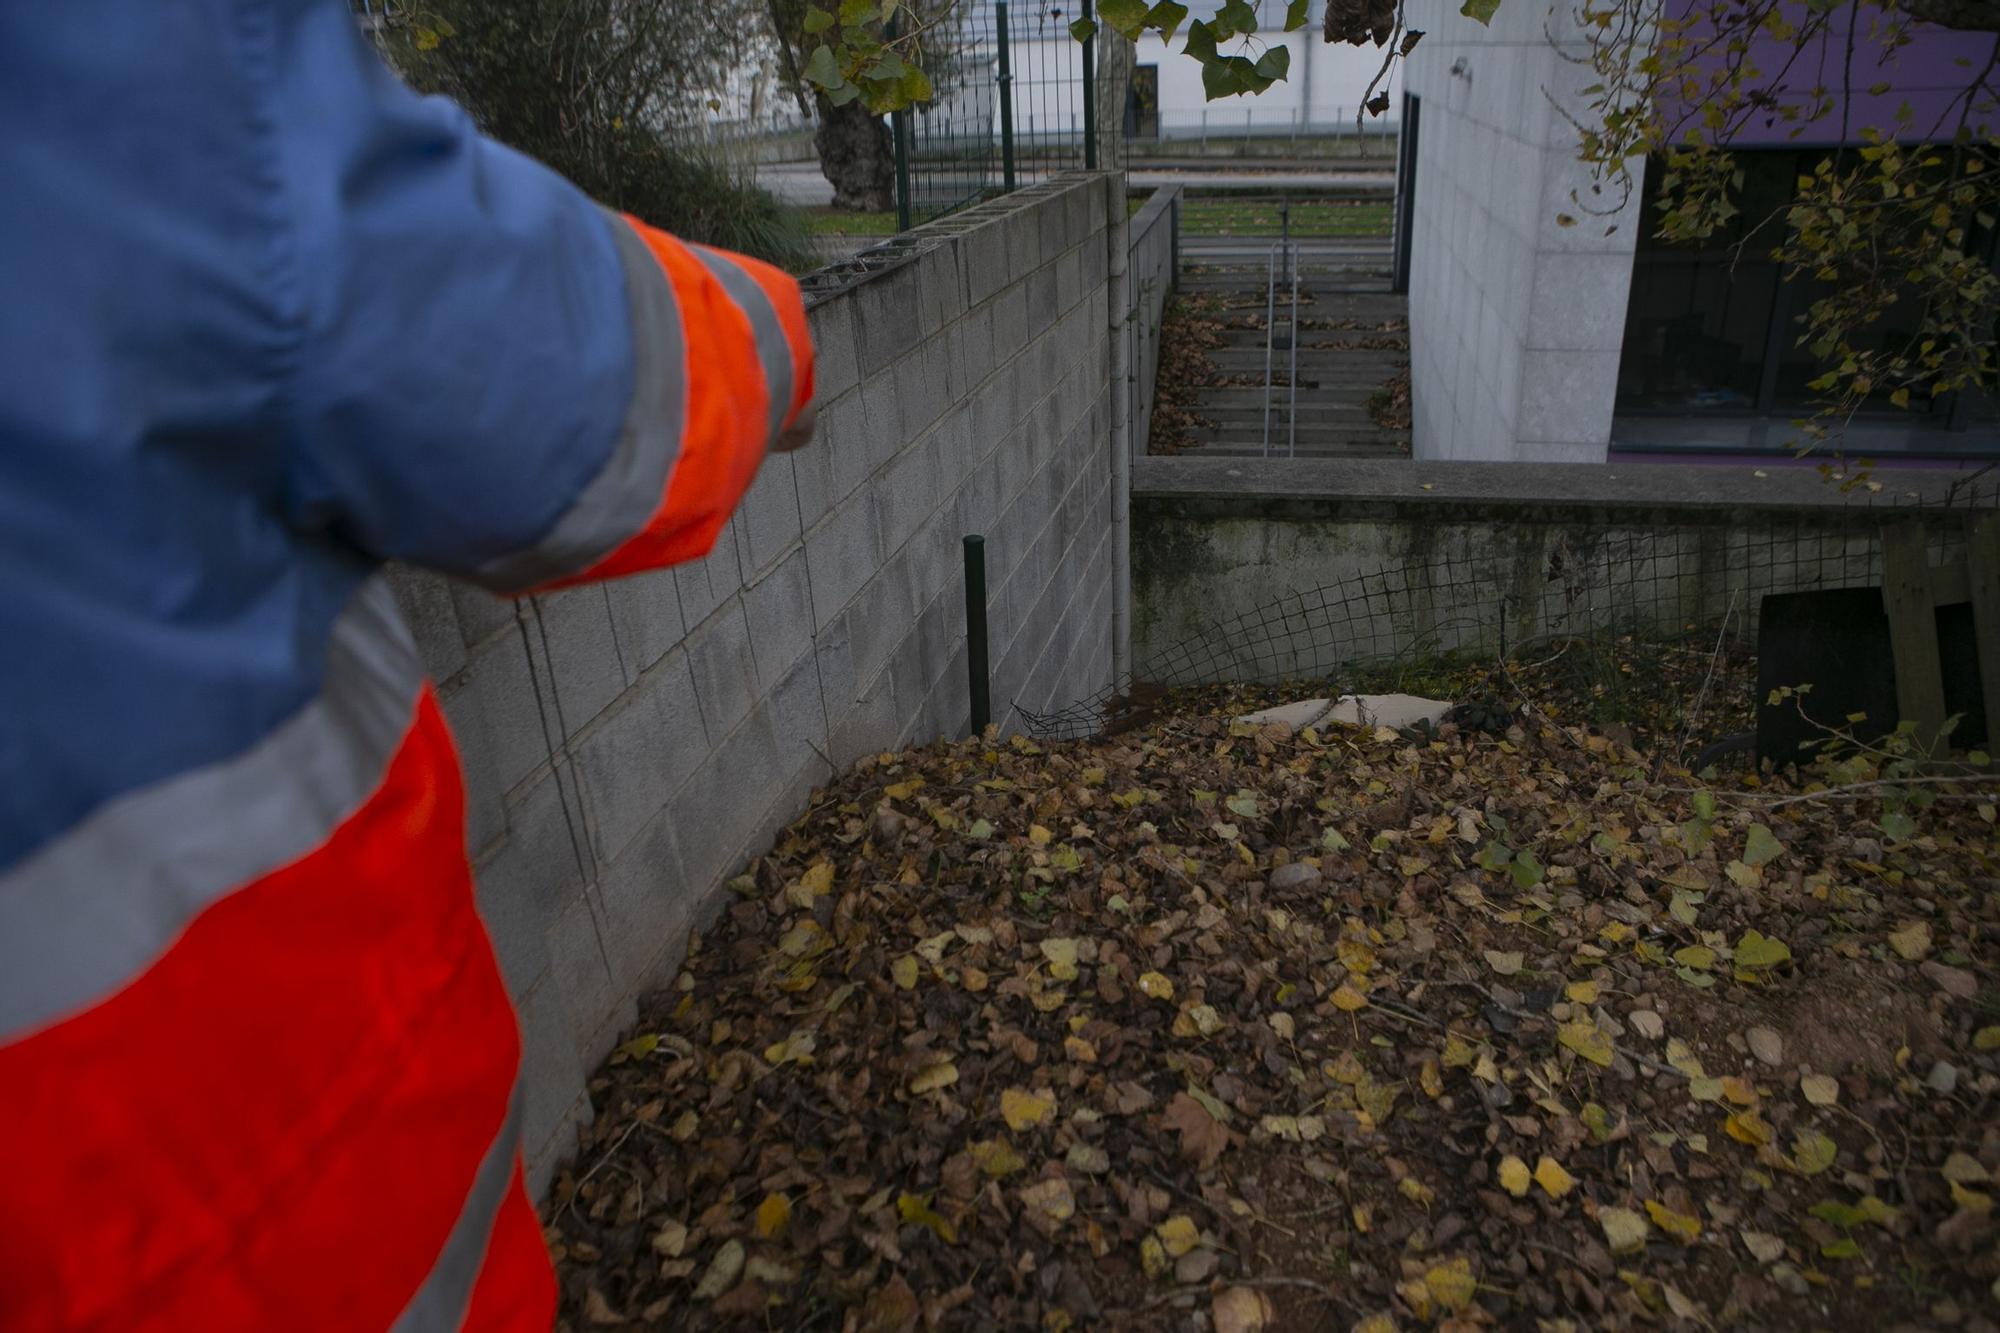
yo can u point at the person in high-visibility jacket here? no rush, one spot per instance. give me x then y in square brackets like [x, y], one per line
[267, 320]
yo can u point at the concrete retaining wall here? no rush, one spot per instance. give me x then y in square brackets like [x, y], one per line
[1247, 570]
[630, 746]
[1516, 320]
[1155, 262]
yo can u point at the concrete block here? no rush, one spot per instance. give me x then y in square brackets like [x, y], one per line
[577, 966]
[1578, 301]
[725, 676]
[574, 632]
[646, 902]
[883, 615]
[1024, 243]
[779, 610]
[841, 555]
[704, 584]
[639, 754]
[887, 318]
[554, 1105]
[833, 653]
[425, 600]
[976, 342]
[1043, 305]
[767, 521]
[1070, 287]
[485, 809]
[1053, 225]
[715, 813]
[499, 679]
[524, 882]
[646, 616]
[813, 467]
[481, 615]
[940, 289]
[835, 356]
[906, 493]
[920, 398]
[1567, 397]
[986, 267]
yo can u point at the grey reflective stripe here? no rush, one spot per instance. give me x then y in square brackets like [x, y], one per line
[772, 348]
[441, 1302]
[87, 913]
[622, 498]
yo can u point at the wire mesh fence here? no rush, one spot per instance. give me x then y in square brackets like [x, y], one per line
[1562, 581]
[1012, 99]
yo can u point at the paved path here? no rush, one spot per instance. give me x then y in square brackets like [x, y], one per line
[801, 183]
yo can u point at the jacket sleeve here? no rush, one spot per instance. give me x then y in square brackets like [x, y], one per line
[493, 376]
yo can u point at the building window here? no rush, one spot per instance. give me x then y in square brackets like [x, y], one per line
[1711, 332]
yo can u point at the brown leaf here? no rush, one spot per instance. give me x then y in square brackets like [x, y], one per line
[1202, 1137]
[1241, 1310]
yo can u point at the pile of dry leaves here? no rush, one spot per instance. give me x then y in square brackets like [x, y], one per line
[1207, 1026]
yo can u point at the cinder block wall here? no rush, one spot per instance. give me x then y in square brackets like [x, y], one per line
[1155, 249]
[630, 746]
[1516, 320]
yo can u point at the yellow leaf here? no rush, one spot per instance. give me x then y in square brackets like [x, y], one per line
[1739, 1090]
[1178, 1235]
[1156, 986]
[1451, 1283]
[1038, 836]
[933, 1077]
[1913, 941]
[1514, 1177]
[1283, 1024]
[819, 879]
[917, 1208]
[1587, 1040]
[902, 791]
[1051, 1198]
[1153, 1258]
[1505, 963]
[1812, 1152]
[773, 1216]
[1747, 1127]
[1581, 992]
[996, 1157]
[1355, 955]
[1080, 1050]
[1819, 1089]
[1349, 999]
[1624, 1230]
[1061, 954]
[1743, 876]
[1241, 1310]
[797, 1047]
[1416, 1191]
[904, 971]
[1680, 1226]
[1197, 1020]
[1553, 1179]
[1962, 1168]
[1697, 956]
[1022, 1110]
[1457, 1052]
[1376, 1323]
[1987, 1039]
[1971, 1199]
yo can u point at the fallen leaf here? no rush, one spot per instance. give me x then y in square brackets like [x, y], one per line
[1203, 1137]
[1451, 1283]
[1156, 985]
[1624, 1230]
[1756, 950]
[917, 1208]
[1987, 1039]
[1048, 1203]
[723, 1270]
[1747, 1127]
[1587, 1040]
[1024, 1110]
[1766, 1045]
[774, 1215]
[1241, 1310]
[1764, 1247]
[1178, 1235]
[996, 1157]
[1962, 1168]
[598, 1310]
[1913, 941]
[1680, 1226]
[1553, 1179]
[1506, 964]
[1061, 955]
[1349, 999]
[1813, 1152]
[670, 1239]
[1514, 1175]
[1760, 847]
[1581, 992]
[1819, 1090]
[1647, 1024]
[932, 1077]
[904, 972]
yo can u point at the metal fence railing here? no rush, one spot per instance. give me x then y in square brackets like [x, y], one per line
[1012, 92]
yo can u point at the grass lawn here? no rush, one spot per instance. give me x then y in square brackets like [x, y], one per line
[837, 222]
[1261, 217]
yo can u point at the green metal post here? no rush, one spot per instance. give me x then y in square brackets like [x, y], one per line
[1089, 93]
[899, 126]
[1006, 98]
[977, 680]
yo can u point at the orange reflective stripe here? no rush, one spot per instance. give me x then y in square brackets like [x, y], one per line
[725, 428]
[783, 290]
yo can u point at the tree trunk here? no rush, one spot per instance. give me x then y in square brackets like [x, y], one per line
[856, 156]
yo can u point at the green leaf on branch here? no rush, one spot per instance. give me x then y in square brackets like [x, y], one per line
[822, 70]
[818, 21]
[1083, 30]
[1483, 10]
[1126, 17]
[1235, 17]
[1200, 43]
[1272, 65]
[1296, 14]
[854, 12]
[1166, 17]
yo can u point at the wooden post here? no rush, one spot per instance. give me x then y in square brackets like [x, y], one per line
[1982, 559]
[1912, 611]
